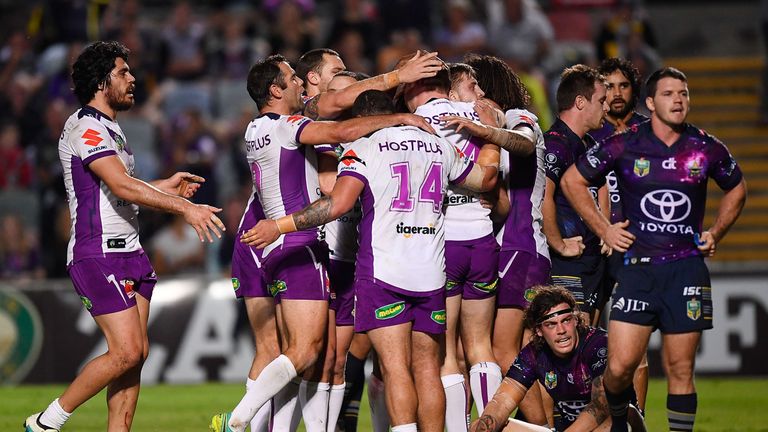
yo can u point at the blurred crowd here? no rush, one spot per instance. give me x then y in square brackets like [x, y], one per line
[191, 59]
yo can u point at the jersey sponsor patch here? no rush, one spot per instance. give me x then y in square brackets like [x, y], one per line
[92, 138]
[350, 157]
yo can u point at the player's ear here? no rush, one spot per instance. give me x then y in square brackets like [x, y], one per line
[275, 91]
[313, 78]
[649, 103]
[580, 102]
[452, 95]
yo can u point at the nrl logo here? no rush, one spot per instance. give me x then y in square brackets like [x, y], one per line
[21, 336]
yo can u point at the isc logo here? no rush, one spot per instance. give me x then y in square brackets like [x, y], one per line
[691, 291]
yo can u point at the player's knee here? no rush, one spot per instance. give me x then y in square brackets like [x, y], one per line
[681, 370]
[129, 358]
[619, 372]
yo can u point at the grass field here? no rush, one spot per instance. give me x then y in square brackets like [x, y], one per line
[724, 405]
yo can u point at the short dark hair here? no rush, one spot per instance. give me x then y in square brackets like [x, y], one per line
[578, 80]
[92, 68]
[613, 64]
[262, 75]
[458, 70]
[667, 72]
[357, 76]
[312, 60]
[547, 297]
[373, 102]
[499, 82]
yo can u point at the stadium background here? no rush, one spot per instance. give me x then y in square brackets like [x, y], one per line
[192, 108]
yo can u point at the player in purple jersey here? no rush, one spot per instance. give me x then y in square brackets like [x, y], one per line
[564, 355]
[106, 262]
[662, 170]
[623, 89]
[285, 176]
[403, 316]
[577, 261]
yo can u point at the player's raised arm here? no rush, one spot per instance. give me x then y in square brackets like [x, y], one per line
[202, 217]
[322, 132]
[330, 104]
[341, 200]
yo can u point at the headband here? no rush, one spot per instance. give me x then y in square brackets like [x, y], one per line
[554, 314]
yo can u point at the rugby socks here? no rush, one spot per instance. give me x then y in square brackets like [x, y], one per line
[377, 399]
[334, 405]
[410, 427]
[618, 404]
[681, 411]
[260, 421]
[270, 381]
[484, 379]
[354, 375]
[54, 416]
[285, 406]
[313, 397]
[455, 402]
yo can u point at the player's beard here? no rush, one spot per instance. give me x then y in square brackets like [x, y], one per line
[629, 106]
[118, 102]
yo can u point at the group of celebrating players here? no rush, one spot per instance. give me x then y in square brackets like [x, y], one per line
[424, 214]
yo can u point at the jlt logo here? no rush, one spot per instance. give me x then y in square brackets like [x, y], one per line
[669, 164]
[629, 305]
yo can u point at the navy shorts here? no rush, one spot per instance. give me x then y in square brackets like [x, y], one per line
[582, 276]
[675, 297]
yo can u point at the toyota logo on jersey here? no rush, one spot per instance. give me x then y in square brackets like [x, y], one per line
[666, 205]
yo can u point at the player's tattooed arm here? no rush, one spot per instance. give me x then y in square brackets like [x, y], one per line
[315, 214]
[310, 108]
[494, 416]
[520, 141]
[596, 411]
[267, 231]
[485, 423]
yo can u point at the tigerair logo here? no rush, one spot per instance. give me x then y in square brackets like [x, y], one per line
[487, 287]
[409, 230]
[438, 316]
[92, 138]
[277, 287]
[389, 311]
[235, 284]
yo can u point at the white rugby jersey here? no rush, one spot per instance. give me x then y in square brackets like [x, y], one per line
[524, 178]
[465, 218]
[284, 171]
[341, 234]
[102, 223]
[406, 173]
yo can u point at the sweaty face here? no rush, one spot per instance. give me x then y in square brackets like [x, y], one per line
[560, 331]
[671, 102]
[596, 107]
[119, 89]
[466, 89]
[293, 87]
[331, 66]
[619, 95]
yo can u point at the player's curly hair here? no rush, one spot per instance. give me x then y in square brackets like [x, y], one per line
[499, 82]
[613, 64]
[261, 77]
[547, 297]
[92, 67]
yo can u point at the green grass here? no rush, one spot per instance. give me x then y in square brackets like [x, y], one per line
[724, 405]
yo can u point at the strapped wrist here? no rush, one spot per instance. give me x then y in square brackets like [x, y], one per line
[286, 224]
[392, 79]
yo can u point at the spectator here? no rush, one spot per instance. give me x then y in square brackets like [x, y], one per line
[524, 38]
[459, 34]
[627, 34]
[176, 249]
[15, 168]
[182, 46]
[19, 255]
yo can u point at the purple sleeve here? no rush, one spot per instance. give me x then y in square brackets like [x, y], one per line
[557, 158]
[723, 167]
[523, 369]
[596, 352]
[599, 160]
[98, 155]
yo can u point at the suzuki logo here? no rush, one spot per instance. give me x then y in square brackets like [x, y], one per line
[666, 205]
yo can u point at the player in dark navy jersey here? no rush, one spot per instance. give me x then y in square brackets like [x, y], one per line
[567, 357]
[662, 170]
[577, 262]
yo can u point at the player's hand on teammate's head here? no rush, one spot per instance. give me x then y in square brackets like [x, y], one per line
[262, 235]
[416, 120]
[204, 220]
[617, 236]
[463, 123]
[706, 243]
[489, 113]
[421, 65]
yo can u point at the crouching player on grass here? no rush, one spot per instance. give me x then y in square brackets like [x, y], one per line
[568, 358]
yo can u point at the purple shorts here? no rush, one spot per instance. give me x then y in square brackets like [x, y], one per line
[519, 271]
[298, 272]
[472, 268]
[247, 272]
[378, 305]
[342, 275]
[109, 284]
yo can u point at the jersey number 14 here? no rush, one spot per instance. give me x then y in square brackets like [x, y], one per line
[430, 191]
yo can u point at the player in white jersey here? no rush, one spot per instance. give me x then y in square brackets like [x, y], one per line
[401, 175]
[105, 259]
[285, 176]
